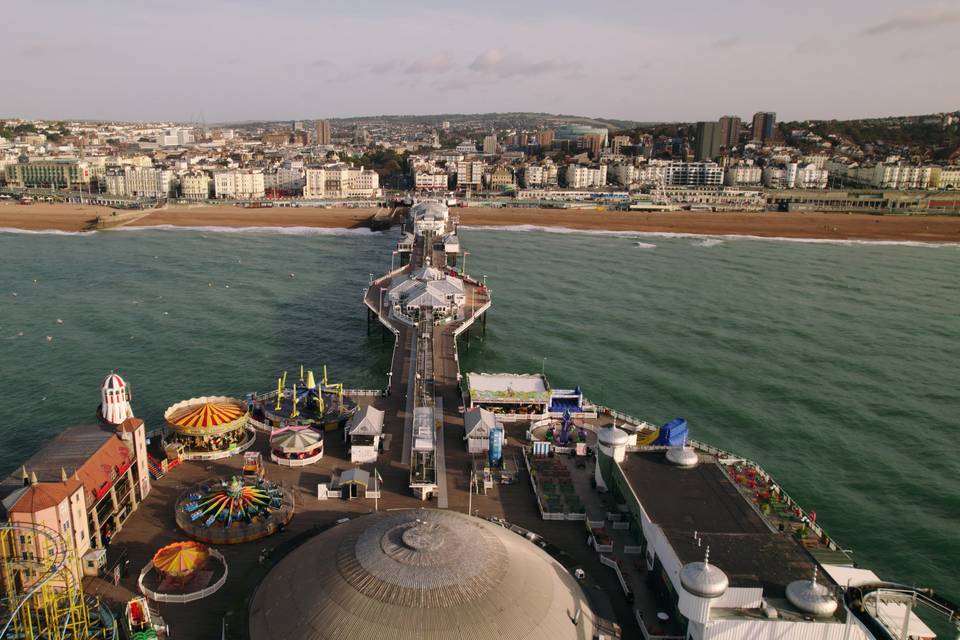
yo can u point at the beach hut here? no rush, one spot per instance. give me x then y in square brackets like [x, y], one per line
[352, 481]
[364, 433]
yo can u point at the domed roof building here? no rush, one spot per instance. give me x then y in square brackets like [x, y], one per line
[421, 574]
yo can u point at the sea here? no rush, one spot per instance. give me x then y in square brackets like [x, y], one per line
[835, 365]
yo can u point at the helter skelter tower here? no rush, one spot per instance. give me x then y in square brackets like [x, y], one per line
[115, 399]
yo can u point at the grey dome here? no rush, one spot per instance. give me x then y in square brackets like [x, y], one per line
[611, 436]
[682, 456]
[422, 573]
[703, 579]
[811, 597]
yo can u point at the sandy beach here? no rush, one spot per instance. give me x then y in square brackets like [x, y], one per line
[832, 226]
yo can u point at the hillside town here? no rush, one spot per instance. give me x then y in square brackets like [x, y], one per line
[520, 159]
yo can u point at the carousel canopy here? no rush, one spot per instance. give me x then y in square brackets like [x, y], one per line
[206, 416]
[297, 441]
[180, 558]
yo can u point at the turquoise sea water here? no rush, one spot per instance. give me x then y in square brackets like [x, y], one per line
[836, 366]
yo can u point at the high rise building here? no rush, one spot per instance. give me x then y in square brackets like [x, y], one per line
[729, 132]
[490, 144]
[708, 141]
[619, 142]
[545, 137]
[323, 132]
[764, 123]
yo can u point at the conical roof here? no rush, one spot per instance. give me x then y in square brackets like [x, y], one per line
[297, 441]
[180, 558]
[811, 597]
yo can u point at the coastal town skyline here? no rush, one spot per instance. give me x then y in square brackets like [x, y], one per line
[238, 61]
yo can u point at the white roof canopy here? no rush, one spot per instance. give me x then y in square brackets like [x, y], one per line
[368, 421]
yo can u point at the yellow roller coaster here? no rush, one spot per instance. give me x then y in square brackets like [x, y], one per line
[42, 589]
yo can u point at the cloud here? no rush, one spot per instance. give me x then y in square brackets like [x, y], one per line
[439, 63]
[383, 67]
[496, 62]
[725, 43]
[924, 19]
[316, 64]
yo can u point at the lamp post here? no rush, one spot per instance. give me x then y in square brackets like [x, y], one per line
[543, 365]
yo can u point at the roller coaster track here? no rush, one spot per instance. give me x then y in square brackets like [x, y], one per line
[857, 599]
[49, 567]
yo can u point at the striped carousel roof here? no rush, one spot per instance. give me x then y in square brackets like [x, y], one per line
[208, 415]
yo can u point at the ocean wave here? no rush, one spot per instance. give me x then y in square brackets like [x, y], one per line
[645, 245]
[45, 232]
[708, 242]
[561, 230]
[716, 238]
[282, 231]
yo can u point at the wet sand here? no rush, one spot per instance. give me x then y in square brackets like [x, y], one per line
[833, 226]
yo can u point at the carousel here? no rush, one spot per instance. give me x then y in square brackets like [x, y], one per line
[183, 572]
[233, 510]
[210, 427]
[296, 446]
[306, 402]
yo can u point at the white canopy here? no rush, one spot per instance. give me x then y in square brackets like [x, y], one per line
[297, 441]
[368, 421]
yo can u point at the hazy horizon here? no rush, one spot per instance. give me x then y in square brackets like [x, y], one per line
[238, 60]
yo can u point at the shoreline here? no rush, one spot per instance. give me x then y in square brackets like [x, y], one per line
[73, 218]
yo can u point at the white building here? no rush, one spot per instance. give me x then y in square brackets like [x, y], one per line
[196, 186]
[175, 137]
[692, 174]
[624, 173]
[742, 174]
[466, 147]
[340, 181]
[583, 177]
[891, 176]
[429, 217]
[140, 182]
[426, 179]
[532, 176]
[948, 178]
[364, 433]
[239, 184]
[287, 180]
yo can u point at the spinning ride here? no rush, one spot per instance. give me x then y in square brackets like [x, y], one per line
[234, 510]
[306, 402]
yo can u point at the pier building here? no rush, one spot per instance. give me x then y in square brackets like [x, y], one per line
[421, 573]
[721, 569]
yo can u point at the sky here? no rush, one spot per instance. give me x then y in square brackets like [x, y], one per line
[232, 60]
